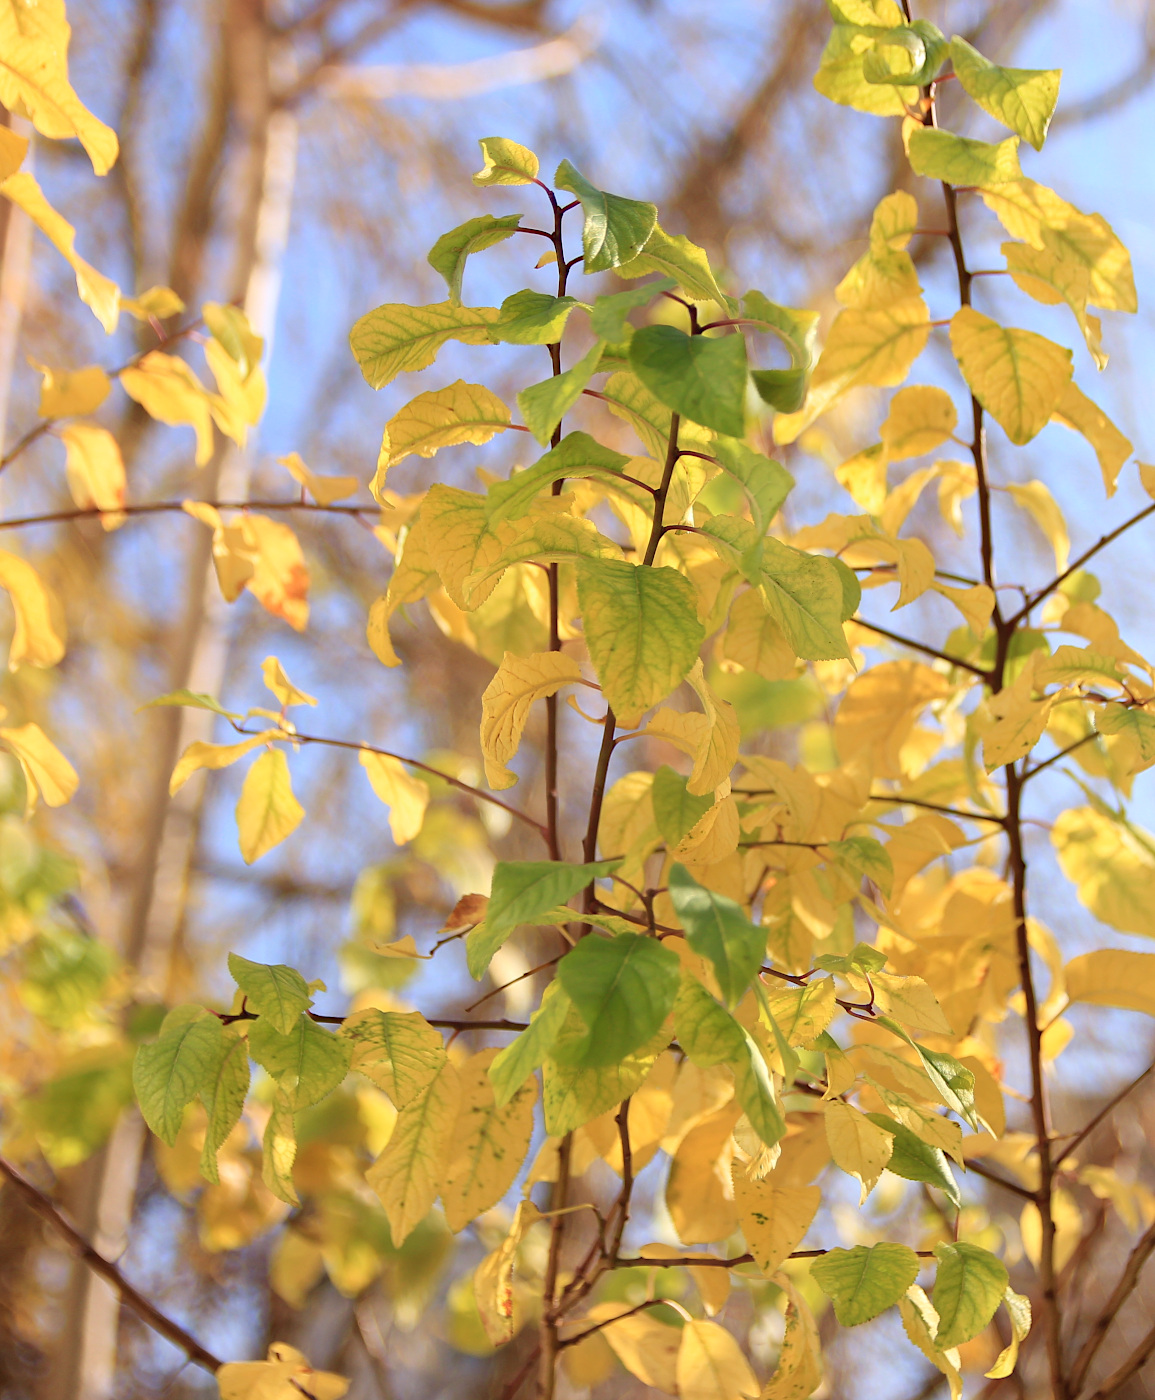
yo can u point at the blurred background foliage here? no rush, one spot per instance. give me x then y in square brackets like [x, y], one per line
[302, 158]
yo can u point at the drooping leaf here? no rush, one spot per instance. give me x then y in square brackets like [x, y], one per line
[701, 378]
[858, 1146]
[1110, 868]
[47, 773]
[274, 991]
[711, 1365]
[915, 1160]
[623, 988]
[168, 1072]
[719, 930]
[608, 316]
[72, 393]
[642, 630]
[676, 257]
[489, 1142]
[1022, 98]
[862, 1282]
[615, 229]
[804, 594]
[775, 1218]
[676, 811]
[1076, 411]
[267, 810]
[451, 251]
[38, 637]
[406, 795]
[506, 703]
[527, 1051]
[284, 1376]
[766, 482]
[968, 1289]
[222, 1091]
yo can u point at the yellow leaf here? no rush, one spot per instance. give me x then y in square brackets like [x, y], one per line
[957, 481]
[488, 1144]
[279, 1149]
[857, 1145]
[774, 1218]
[863, 347]
[323, 489]
[699, 1191]
[920, 418]
[442, 418]
[280, 578]
[96, 290]
[506, 163]
[754, 641]
[920, 1321]
[803, 1013]
[267, 811]
[240, 400]
[286, 1375]
[408, 1174]
[1039, 217]
[72, 393]
[95, 470]
[201, 755]
[881, 277]
[894, 220]
[1113, 871]
[493, 1279]
[864, 476]
[718, 751]
[46, 771]
[976, 603]
[282, 687]
[1076, 411]
[406, 796]
[647, 1348]
[506, 703]
[1050, 278]
[1111, 977]
[38, 637]
[880, 708]
[711, 1366]
[1019, 1310]
[168, 390]
[799, 1371]
[1038, 502]
[712, 1282]
[13, 149]
[154, 304]
[1016, 375]
[1020, 720]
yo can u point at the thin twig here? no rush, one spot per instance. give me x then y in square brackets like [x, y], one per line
[1107, 1108]
[1121, 1292]
[923, 647]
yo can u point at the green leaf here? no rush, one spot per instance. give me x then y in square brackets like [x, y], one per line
[862, 1282]
[676, 811]
[521, 892]
[398, 1050]
[642, 631]
[783, 389]
[394, 338]
[544, 405]
[168, 1073]
[915, 1160]
[272, 990]
[531, 318]
[711, 1036]
[718, 929]
[803, 593]
[193, 700]
[308, 1063]
[941, 155]
[279, 1150]
[448, 255]
[701, 378]
[513, 1065]
[851, 588]
[968, 1289]
[767, 483]
[624, 988]
[577, 455]
[615, 229]
[1022, 98]
[861, 958]
[222, 1091]
[506, 163]
[920, 47]
[608, 316]
[675, 256]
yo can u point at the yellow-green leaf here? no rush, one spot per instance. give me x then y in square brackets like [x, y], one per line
[267, 811]
[861, 1149]
[1022, 98]
[442, 418]
[489, 1143]
[408, 1174]
[941, 155]
[1016, 375]
[920, 418]
[506, 703]
[506, 163]
[1113, 871]
[862, 1282]
[397, 338]
[642, 631]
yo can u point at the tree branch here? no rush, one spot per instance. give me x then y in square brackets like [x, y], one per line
[1121, 1292]
[148, 1313]
[923, 647]
[1107, 1108]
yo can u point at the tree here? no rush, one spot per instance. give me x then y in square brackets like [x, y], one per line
[777, 970]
